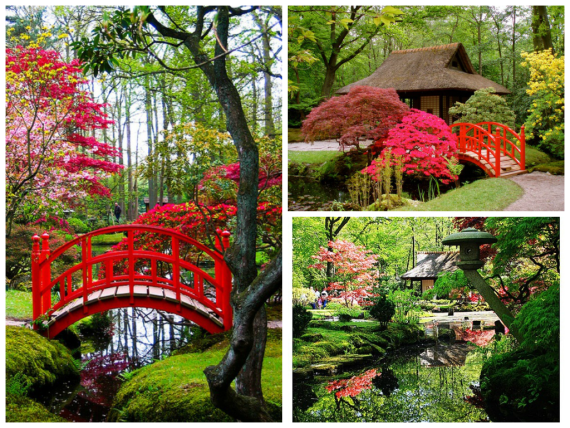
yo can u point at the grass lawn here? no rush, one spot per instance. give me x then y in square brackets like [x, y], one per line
[534, 156]
[491, 194]
[313, 157]
[19, 305]
[111, 238]
[294, 135]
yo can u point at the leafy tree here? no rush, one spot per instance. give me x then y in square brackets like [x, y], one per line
[355, 273]
[52, 157]
[546, 88]
[383, 310]
[363, 113]
[451, 284]
[484, 106]
[426, 144]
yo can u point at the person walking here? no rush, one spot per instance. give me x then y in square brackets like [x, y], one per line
[117, 212]
[317, 297]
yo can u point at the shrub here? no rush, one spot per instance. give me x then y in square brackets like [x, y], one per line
[301, 320]
[484, 106]
[345, 314]
[383, 310]
[77, 225]
[426, 144]
[546, 87]
[298, 294]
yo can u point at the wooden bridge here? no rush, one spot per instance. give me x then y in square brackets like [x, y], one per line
[499, 154]
[131, 278]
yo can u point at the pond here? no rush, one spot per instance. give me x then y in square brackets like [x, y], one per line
[418, 384]
[138, 337]
[308, 194]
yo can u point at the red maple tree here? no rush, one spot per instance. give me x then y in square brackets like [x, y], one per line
[353, 386]
[355, 271]
[364, 113]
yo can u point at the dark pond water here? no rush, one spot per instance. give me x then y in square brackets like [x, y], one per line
[431, 384]
[137, 337]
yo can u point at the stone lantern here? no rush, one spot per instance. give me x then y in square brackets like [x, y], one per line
[469, 240]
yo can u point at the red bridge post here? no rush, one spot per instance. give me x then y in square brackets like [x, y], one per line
[227, 284]
[36, 279]
[523, 148]
[45, 275]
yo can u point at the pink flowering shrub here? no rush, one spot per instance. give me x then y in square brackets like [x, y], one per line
[426, 144]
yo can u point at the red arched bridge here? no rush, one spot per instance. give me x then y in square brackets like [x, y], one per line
[499, 154]
[132, 278]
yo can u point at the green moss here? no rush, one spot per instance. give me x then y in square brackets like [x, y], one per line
[554, 168]
[40, 361]
[24, 409]
[19, 305]
[274, 312]
[533, 157]
[175, 389]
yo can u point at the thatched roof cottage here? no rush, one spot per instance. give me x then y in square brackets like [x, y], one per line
[431, 79]
[429, 265]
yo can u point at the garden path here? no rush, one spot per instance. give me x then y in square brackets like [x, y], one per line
[542, 192]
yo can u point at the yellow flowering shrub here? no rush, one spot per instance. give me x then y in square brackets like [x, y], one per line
[546, 87]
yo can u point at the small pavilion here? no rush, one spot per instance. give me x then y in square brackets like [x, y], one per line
[430, 79]
[429, 265]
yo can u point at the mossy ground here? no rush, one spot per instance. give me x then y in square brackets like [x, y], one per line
[324, 340]
[19, 305]
[175, 389]
[554, 168]
[23, 409]
[41, 362]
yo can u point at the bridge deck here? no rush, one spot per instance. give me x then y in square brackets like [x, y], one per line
[138, 291]
[508, 165]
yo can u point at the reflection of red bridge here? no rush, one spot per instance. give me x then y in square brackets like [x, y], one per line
[181, 291]
[499, 154]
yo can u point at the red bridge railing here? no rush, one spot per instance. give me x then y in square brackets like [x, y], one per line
[486, 148]
[43, 283]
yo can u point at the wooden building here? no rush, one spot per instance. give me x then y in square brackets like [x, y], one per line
[429, 265]
[430, 79]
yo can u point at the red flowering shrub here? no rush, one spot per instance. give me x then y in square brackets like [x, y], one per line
[426, 144]
[364, 113]
[220, 183]
[353, 386]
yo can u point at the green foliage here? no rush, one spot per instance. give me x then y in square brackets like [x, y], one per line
[20, 408]
[97, 324]
[346, 314]
[405, 303]
[18, 385]
[383, 310]
[448, 283]
[302, 296]
[77, 225]
[539, 321]
[484, 106]
[301, 320]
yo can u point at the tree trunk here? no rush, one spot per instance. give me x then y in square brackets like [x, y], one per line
[330, 76]
[541, 35]
[151, 178]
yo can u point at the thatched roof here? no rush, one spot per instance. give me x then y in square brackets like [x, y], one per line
[430, 263]
[436, 68]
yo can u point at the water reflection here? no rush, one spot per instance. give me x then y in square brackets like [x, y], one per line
[139, 337]
[410, 387]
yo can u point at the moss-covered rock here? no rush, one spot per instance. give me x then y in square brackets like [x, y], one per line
[23, 409]
[312, 337]
[554, 168]
[176, 390]
[521, 387]
[40, 361]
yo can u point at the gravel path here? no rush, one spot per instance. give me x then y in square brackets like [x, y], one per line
[322, 145]
[542, 192]
[275, 324]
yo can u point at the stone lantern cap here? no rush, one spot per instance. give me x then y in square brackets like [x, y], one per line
[469, 236]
